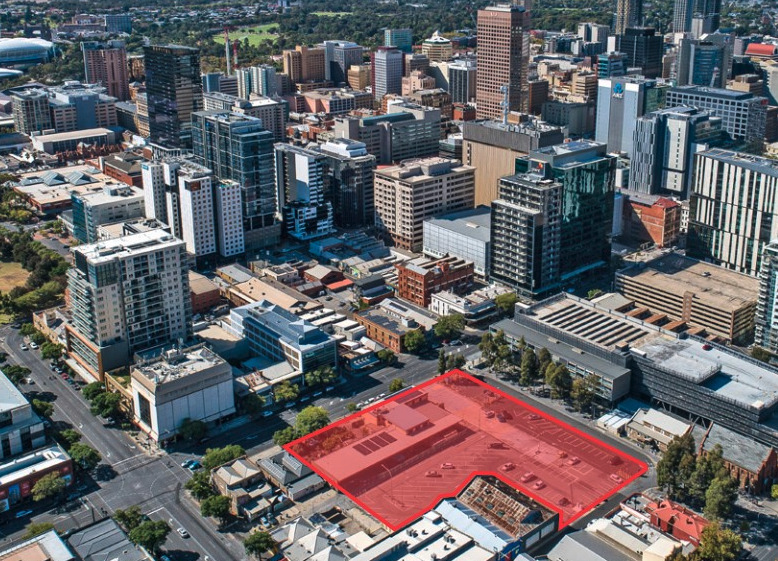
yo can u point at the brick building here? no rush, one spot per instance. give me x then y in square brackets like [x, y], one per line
[676, 520]
[650, 218]
[419, 279]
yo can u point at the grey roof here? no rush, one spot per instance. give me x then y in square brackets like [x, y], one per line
[561, 349]
[474, 223]
[105, 541]
[743, 160]
[585, 545]
[712, 92]
[10, 397]
[51, 544]
[738, 449]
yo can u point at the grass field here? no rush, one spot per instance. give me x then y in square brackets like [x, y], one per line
[255, 34]
[12, 275]
[331, 14]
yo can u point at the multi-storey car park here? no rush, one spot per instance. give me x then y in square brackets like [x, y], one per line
[402, 456]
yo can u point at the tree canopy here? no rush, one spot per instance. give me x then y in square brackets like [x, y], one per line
[450, 326]
[414, 341]
[258, 543]
[150, 534]
[215, 457]
[310, 419]
[50, 485]
[192, 429]
[84, 456]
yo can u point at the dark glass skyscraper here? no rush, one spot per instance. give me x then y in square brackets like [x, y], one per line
[174, 90]
[237, 147]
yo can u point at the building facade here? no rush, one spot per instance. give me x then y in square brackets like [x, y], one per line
[419, 279]
[348, 172]
[127, 294]
[387, 71]
[174, 91]
[503, 60]
[106, 64]
[408, 194]
[722, 229]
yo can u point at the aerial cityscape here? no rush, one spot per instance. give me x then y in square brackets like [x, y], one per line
[371, 280]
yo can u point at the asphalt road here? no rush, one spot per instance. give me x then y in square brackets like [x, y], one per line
[154, 482]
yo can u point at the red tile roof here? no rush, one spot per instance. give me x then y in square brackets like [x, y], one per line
[684, 521]
[762, 49]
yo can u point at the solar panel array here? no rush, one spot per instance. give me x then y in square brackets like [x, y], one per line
[374, 443]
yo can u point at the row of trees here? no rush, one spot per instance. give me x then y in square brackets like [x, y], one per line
[529, 367]
[84, 456]
[49, 350]
[141, 530]
[701, 481]
[199, 485]
[287, 391]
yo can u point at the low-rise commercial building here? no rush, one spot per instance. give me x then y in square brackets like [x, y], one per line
[656, 429]
[18, 476]
[386, 327]
[171, 385]
[105, 540]
[278, 334]
[69, 141]
[721, 301]
[113, 203]
[47, 546]
[650, 219]
[21, 430]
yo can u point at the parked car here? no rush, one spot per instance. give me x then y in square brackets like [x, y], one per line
[538, 485]
[187, 463]
[195, 465]
[529, 476]
[508, 466]
[23, 347]
[447, 465]
[267, 413]
[183, 533]
[574, 461]
[33, 345]
[432, 473]
[616, 478]
[489, 414]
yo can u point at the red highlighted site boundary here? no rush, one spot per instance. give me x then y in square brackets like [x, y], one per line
[400, 457]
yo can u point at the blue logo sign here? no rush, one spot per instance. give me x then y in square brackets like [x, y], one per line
[618, 88]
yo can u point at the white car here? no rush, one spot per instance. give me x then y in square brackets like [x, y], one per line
[183, 533]
[23, 347]
[33, 345]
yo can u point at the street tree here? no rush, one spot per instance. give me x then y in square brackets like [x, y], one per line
[150, 534]
[51, 351]
[90, 391]
[386, 356]
[311, 419]
[217, 506]
[488, 348]
[774, 491]
[706, 469]
[583, 391]
[284, 436]
[441, 361]
[529, 368]
[718, 544]
[85, 456]
[50, 485]
[668, 469]
[286, 391]
[449, 326]
[396, 385]
[351, 407]
[69, 437]
[128, 518]
[36, 529]
[414, 341]
[457, 360]
[200, 485]
[42, 408]
[16, 373]
[215, 457]
[190, 429]
[258, 543]
[106, 404]
[720, 497]
[252, 403]
[544, 359]
[321, 376]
